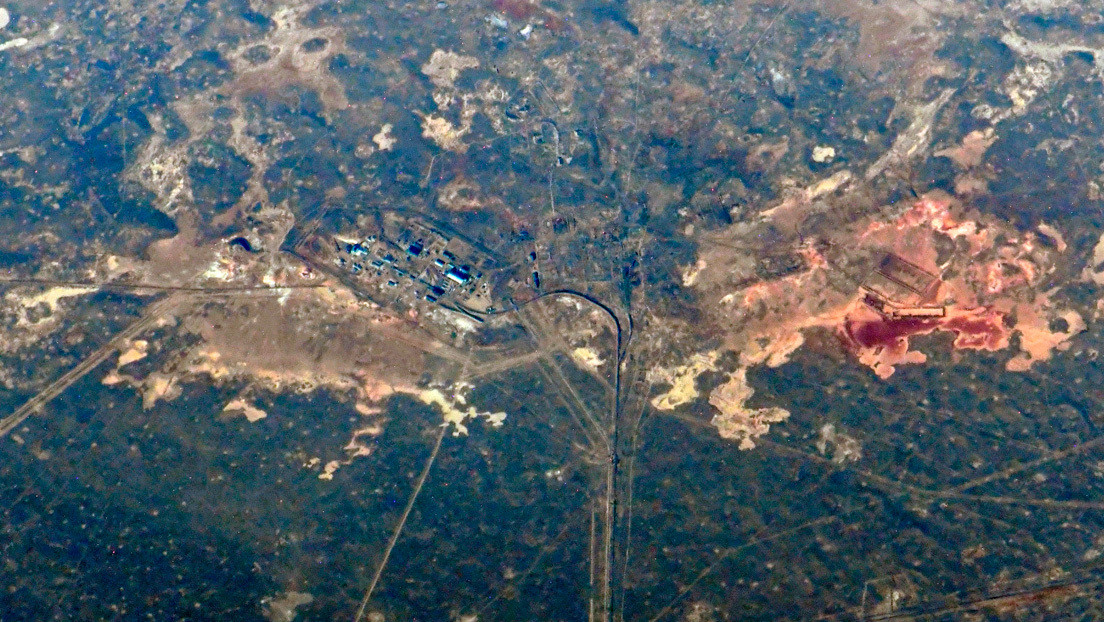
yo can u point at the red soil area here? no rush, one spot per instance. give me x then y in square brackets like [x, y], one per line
[983, 332]
[972, 332]
[524, 10]
[887, 333]
[987, 288]
[517, 9]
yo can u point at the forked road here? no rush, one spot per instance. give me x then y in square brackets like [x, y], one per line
[606, 594]
[603, 604]
[179, 297]
[156, 311]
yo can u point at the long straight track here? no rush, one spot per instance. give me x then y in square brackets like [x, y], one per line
[155, 312]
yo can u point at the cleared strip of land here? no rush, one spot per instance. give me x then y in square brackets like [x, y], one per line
[156, 311]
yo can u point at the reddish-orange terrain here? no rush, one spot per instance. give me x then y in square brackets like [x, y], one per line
[988, 287]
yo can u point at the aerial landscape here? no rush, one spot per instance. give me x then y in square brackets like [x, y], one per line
[604, 310]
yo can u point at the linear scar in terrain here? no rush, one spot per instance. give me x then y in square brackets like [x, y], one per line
[928, 495]
[1049, 379]
[957, 491]
[501, 365]
[614, 473]
[429, 346]
[1054, 455]
[1025, 536]
[609, 439]
[402, 523]
[551, 370]
[156, 286]
[592, 563]
[154, 313]
[637, 387]
[565, 530]
[920, 494]
[732, 551]
[180, 296]
[1007, 600]
[589, 431]
[38, 487]
[560, 344]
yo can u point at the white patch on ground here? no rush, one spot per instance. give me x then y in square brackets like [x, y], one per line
[682, 380]
[700, 612]
[163, 170]
[690, 274]
[1042, 6]
[1026, 83]
[282, 608]
[844, 448]
[443, 67]
[803, 196]
[454, 406]
[1094, 271]
[5, 17]
[251, 412]
[1095, 550]
[383, 139]
[735, 420]
[17, 42]
[51, 298]
[138, 351]
[1039, 71]
[828, 185]
[916, 137]
[462, 324]
[355, 448]
[823, 153]
[587, 357]
[328, 471]
[113, 378]
[219, 270]
[42, 38]
[159, 387]
[1054, 235]
[1049, 52]
[53, 295]
[441, 131]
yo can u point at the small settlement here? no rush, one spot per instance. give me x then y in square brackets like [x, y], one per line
[406, 264]
[899, 289]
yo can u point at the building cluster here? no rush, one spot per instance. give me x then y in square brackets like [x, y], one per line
[899, 289]
[414, 265]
